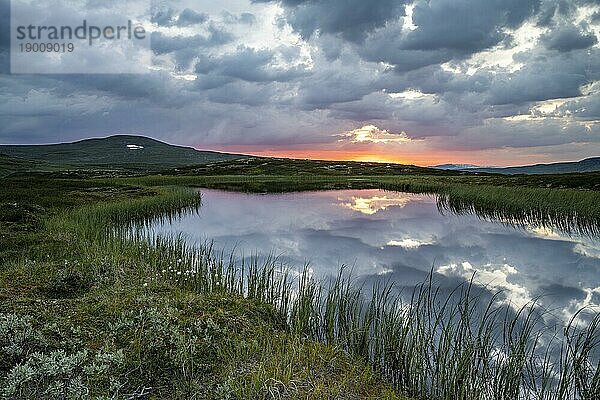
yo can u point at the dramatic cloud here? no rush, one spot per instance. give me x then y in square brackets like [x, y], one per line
[190, 17]
[492, 82]
[569, 38]
[373, 134]
[352, 19]
[250, 65]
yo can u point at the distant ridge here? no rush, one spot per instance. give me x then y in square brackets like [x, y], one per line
[458, 167]
[140, 154]
[117, 152]
[586, 165]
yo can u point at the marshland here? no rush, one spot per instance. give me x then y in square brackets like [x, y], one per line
[301, 199]
[102, 295]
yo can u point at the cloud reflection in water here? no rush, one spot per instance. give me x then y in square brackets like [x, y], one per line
[401, 236]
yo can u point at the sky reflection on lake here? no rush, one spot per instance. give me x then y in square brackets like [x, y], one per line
[400, 236]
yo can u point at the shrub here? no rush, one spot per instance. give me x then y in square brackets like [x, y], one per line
[18, 339]
[58, 375]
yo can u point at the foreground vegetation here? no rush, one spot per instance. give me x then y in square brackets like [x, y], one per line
[79, 317]
[86, 313]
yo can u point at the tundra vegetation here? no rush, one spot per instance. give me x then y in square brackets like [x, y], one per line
[92, 308]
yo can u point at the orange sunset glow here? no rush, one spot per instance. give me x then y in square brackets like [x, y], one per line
[372, 144]
[422, 159]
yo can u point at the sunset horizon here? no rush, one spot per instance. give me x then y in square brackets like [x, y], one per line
[339, 151]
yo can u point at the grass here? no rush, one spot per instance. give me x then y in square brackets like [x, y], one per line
[571, 209]
[83, 309]
[80, 317]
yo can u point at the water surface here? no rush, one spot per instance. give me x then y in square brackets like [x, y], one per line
[400, 236]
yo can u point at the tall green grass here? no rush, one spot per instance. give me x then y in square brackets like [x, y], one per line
[99, 221]
[429, 345]
[460, 345]
[569, 210]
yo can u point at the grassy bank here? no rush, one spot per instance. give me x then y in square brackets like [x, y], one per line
[158, 319]
[79, 317]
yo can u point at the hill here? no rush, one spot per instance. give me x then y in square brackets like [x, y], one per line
[10, 165]
[120, 152]
[587, 165]
[293, 166]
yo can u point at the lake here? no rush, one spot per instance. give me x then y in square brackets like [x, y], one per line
[401, 237]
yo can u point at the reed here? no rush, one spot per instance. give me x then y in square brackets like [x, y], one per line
[570, 210]
[427, 344]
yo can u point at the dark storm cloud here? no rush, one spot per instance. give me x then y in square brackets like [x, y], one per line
[569, 38]
[186, 48]
[446, 30]
[367, 111]
[352, 19]
[545, 78]
[248, 64]
[542, 77]
[333, 86]
[465, 26]
[242, 92]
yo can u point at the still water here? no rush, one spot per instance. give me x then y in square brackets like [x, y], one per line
[402, 237]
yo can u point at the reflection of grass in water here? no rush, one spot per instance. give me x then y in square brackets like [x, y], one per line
[460, 345]
[457, 346]
[567, 210]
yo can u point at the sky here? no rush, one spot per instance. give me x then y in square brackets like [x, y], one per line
[487, 82]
